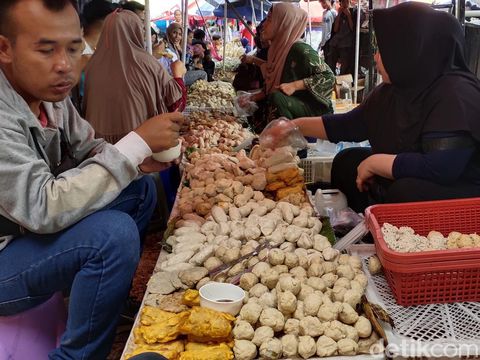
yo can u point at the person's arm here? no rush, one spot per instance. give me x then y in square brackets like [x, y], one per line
[42, 203]
[336, 23]
[444, 165]
[181, 103]
[350, 126]
[377, 164]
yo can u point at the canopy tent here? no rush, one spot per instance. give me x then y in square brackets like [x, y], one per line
[243, 7]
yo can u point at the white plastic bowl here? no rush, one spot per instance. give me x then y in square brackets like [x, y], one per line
[222, 297]
[169, 154]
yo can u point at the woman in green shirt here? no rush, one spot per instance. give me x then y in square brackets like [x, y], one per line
[297, 82]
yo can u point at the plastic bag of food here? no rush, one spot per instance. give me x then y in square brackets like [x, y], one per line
[244, 104]
[282, 132]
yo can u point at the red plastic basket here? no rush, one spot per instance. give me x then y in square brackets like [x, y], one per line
[429, 277]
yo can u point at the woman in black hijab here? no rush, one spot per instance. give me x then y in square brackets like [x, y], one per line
[423, 122]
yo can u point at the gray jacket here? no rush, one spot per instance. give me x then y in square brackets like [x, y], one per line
[30, 195]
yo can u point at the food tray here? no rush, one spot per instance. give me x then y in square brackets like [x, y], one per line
[442, 276]
[426, 331]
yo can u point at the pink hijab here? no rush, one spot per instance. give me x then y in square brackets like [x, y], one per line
[290, 22]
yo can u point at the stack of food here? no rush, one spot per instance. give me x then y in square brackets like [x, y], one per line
[213, 130]
[284, 177]
[178, 328]
[211, 95]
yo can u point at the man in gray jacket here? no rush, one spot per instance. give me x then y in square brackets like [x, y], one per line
[72, 207]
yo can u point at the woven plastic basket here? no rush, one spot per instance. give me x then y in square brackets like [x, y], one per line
[442, 276]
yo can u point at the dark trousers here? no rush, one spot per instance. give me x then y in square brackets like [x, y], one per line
[344, 175]
[344, 56]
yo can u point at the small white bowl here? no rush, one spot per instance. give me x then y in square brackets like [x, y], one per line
[169, 154]
[222, 297]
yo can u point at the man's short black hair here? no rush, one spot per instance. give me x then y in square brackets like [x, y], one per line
[96, 10]
[6, 5]
[216, 37]
[133, 6]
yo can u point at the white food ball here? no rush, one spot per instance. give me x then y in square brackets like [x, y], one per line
[374, 265]
[326, 346]
[363, 327]
[276, 257]
[271, 349]
[292, 326]
[311, 304]
[251, 312]
[258, 290]
[243, 330]
[272, 318]
[260, 268]
[262, 334]
[269, 278]
[268, 300]
[291, 260]
[244, 350]
[347, 347]
[316, 283]
[311, 326]
[345, 271]
[289, 345]
[289, 283]
[335, 330]
[306, 347]
[348, 315]
[248, 280]
[287, 302]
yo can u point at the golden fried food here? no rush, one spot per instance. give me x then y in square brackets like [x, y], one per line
[170, 350]
[296, 180]
[206, 325]
[297, 189]
[274, 186]
[160, 326]
[191, 298]
[195, 351]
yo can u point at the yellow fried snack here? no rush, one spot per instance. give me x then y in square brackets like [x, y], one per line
[282, 193]
[274, 186]
[191, 298]
[296, 180]
[170, 350]
[195, 351]
[160, 326]
[206, 325]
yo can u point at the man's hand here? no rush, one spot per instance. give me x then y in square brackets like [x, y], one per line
[161, 132]
[178, 69]
[287, 88]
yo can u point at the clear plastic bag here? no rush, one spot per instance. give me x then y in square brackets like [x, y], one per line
[282, 132]
[244, 104]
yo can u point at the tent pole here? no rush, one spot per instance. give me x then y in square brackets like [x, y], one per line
[254, 16]
[357, 52]
[148, 33]
[225, 22]
[261, 9]
[309, 22]
[185, 31]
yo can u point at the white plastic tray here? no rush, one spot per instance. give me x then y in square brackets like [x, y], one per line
[437, 331]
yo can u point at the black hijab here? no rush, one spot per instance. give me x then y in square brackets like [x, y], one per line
[432, 88]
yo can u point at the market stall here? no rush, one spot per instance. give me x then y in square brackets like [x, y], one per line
[244, 218]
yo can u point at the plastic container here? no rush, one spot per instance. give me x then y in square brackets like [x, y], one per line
[222, 297]
[169, 154]
[329, 199]
[428, 277]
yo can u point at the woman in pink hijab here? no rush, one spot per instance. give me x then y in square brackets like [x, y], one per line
[297, 82]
